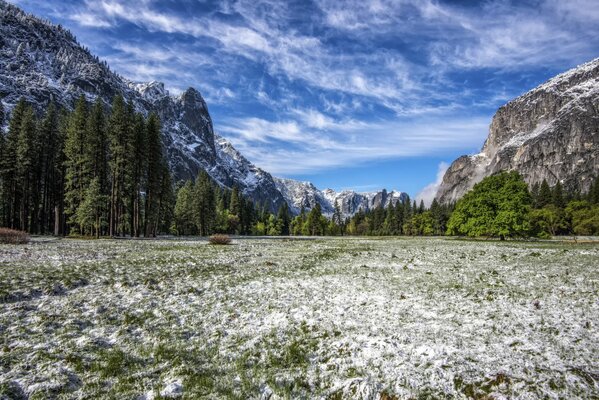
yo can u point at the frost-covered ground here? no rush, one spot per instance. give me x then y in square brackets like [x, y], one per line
[332, 318]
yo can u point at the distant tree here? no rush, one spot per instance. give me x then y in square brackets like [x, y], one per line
[314, 221]
[557, 196]
[284, 217]
[534, 194]
[497, 206]
[545, 195]
[184, 210]
[204, 204]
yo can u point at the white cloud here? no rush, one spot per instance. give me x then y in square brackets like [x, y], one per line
[428, 193]
[299, 146]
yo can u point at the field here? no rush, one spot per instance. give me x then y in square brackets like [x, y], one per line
[339, 318]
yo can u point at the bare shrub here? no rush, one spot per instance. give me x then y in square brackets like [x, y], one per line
[12, 236]
[220, 239]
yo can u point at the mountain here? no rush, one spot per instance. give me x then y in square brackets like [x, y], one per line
[306, 195]
[43, 62]
[550, 132]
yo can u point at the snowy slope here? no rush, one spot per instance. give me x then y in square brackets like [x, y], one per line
[305, 194]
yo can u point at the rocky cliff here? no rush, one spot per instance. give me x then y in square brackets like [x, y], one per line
[551, 132]
[43, 62]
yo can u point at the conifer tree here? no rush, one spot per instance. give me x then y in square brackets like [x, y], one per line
[77, 161]
[51, 177]
[26, 159]
[8, 167]
[118, 135]
[90, 213]
[184, 210]
[544, 195]
[284, 218]
[205, 205]
[154, 175]
[167, 198]
[314, 221]
[557, 195]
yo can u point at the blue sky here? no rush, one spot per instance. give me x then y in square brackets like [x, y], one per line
[359, 94]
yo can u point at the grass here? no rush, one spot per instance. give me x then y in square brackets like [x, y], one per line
[330, 318]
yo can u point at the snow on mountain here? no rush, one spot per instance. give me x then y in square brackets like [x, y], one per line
[305, 194]
[550, 132]
[43, 62]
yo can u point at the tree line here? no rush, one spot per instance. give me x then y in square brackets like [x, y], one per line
[88, 171]
[98, 172]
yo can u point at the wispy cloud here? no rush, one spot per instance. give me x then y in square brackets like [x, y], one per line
[428, 193]
[310, 148]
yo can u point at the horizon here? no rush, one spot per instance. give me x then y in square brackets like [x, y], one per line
[369, 96]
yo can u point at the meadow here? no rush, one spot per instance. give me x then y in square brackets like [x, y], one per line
[331, 318]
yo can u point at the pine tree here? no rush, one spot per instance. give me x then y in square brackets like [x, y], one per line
[167, 198]
[77, 161]
[90, 214]
[10, 202]
[284, 218]
[51, 177]
[118, 135]
[154, 175]
[314, 221]
[136, 167]
[534, 194]
[205, 204]
[26, 159]
[557, 196]
[184, 210]
[234, 206]
[544, 195]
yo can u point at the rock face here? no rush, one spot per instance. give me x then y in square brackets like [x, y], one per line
[551, 132]
[306, 195]
[43, 62]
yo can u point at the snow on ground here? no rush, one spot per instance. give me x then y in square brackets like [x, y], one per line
[276, 318]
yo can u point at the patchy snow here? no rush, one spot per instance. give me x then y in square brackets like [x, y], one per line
[522, 137]
[305, 194]
[349, 318]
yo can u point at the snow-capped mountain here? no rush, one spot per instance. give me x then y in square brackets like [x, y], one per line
[305, 194]
[550, 132]
[43, 62]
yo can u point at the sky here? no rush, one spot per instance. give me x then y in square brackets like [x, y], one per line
[355, 94]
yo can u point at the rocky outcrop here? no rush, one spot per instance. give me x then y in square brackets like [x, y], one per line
[43, 62]
[551, 132]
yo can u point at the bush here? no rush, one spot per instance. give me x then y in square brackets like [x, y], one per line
[12, 236]
[219, 239]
